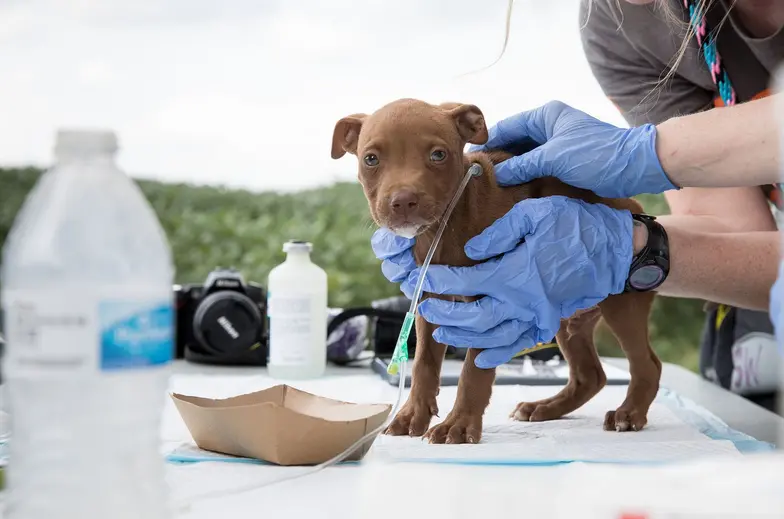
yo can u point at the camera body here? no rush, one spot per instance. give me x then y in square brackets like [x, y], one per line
[223, 321]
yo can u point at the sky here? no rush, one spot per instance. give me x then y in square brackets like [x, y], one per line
[246, 93]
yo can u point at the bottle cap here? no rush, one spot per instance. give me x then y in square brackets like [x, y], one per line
[85, 141]
[297, 246]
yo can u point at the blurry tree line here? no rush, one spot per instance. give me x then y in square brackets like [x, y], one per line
[211, 226]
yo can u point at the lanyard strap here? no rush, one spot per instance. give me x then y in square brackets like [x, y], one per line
[707, 43]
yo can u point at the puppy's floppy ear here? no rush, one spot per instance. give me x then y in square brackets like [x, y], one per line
[469, 120]
[346, 135]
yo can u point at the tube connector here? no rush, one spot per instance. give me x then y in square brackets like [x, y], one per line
[475, 170]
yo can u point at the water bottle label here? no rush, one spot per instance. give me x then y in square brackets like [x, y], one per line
[82, 334]
[290, 328]
[135, 334]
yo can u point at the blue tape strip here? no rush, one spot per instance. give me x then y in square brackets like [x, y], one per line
[709, 424]
[523, 462]
[195, 457]
[173, 457]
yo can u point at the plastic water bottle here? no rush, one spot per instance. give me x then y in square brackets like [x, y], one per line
[88, 314]
[297, 311]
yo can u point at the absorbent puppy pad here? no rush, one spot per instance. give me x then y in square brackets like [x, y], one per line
[677, 430]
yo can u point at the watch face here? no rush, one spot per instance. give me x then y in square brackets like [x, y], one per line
[646, 278]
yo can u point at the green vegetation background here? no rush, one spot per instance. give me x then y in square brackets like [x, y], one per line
[209, 227]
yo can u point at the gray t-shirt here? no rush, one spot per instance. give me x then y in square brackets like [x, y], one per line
[631, 47]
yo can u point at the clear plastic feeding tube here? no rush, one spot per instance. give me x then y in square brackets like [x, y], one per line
[397, 365]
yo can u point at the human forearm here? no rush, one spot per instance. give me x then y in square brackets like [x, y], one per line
[732, 268]
[729, 147]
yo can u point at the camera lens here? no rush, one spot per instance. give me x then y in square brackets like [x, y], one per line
[227, 322]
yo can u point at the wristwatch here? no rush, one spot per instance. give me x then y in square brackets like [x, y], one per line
[651, 265]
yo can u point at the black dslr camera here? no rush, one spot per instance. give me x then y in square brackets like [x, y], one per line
[222, 321]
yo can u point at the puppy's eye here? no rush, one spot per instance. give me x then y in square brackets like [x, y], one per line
[371, 160]
[438, 156]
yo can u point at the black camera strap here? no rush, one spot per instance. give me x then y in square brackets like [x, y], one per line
[366, 311]
[384, 328]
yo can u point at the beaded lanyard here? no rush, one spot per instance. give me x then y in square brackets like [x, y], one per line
[712, 57]
[721, 79]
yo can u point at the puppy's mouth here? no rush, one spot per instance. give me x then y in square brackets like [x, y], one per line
[410, 227]
[412, 224]
[410, 230]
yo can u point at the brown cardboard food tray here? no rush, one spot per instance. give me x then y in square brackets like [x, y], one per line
[281, 425]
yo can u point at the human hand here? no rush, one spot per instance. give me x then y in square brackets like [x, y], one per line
[396, 255]
[579, 150]
[573, 256]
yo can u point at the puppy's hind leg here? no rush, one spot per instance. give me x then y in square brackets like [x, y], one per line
[627, 316]
[586, 376]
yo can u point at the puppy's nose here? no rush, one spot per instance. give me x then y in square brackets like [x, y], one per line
[403, 201]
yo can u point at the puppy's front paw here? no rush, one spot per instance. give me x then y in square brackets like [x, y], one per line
[625, 418]
[413, 418]
[456, 428]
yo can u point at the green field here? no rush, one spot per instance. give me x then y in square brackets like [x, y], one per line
[209, 227]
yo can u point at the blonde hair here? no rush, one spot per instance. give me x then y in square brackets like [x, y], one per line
[507, 31]
[673, 18]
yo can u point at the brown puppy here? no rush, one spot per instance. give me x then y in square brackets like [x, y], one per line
[411, 161]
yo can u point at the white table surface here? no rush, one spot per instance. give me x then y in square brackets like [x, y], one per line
[376, 490]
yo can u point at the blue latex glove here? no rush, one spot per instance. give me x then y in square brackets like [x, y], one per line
[397, 257]
[574, 255]
[579, 150]
[776, 310]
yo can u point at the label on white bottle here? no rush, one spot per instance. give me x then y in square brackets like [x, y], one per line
[291, 329]
[83, 334]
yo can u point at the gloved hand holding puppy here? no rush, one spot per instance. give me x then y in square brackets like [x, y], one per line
[550, 257]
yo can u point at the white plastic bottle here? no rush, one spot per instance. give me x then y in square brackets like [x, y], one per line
[88, 314]
[297, 310]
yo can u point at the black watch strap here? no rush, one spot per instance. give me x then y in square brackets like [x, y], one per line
[651, 265]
